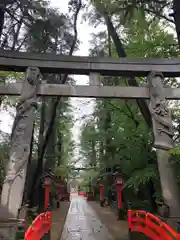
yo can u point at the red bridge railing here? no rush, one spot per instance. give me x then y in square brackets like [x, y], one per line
[82, 193]
[150, 225]
[39, 227]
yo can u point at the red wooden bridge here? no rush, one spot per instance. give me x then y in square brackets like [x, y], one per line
[150, 225]
[138, 221]
[40, 226]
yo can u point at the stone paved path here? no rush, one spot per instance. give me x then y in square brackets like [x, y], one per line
[82, 223]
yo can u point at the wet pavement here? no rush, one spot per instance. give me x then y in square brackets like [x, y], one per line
[82, 223]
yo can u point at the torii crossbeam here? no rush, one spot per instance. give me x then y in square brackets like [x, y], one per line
[86, 91]
[51, 63]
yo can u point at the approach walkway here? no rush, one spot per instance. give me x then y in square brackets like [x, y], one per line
[82, 223]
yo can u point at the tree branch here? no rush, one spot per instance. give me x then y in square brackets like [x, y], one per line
[158, 14]
[131, 116]
[121, 53]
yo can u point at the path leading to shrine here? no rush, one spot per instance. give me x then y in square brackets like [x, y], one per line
[82, 223]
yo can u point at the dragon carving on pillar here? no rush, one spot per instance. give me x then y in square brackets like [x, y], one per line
[161, 115]
[20, 142]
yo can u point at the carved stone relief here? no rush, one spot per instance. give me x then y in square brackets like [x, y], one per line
[13, 187]
[161, 115]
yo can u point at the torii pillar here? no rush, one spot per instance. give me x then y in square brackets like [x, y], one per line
[163, 142]
[13, 187]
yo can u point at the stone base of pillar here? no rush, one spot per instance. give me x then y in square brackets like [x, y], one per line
[9, 228]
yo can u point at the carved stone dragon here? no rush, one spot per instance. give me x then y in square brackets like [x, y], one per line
[22, 129]
[161, 115]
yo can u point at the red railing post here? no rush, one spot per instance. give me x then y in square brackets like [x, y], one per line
[93, 195]
[101, 186]
[47, 195]
[119, 188]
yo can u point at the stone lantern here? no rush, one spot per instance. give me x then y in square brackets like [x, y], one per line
[47, 179]
[119, 180]
[101, 190]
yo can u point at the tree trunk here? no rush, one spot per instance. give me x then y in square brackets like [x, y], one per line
[176, 15]
[59, 147]
[107, 126]
[93, 153]
[29, 171]
[121, 53]
[50, 152]
[39, 166]
[2, 13]
[151, 196]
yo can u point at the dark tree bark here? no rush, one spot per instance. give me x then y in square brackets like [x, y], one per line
[29, 171]
[59, 146]
[176, 15]
[151, 196]
[2, 14]
[121, 53]
[50, 152]
[107, 126]
[93, 154]
[33, 196]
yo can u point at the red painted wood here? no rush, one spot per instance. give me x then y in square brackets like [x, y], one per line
[40, 226]
[119, 195]
[101, 192]
[47, 195]
[150, 225]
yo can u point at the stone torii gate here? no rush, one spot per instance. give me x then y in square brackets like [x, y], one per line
[36, 64]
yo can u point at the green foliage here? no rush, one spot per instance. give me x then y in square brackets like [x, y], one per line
[62, 170]
[149, 39]
[88, 176]
[175, 151]
[142, 177]
[88, 141]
